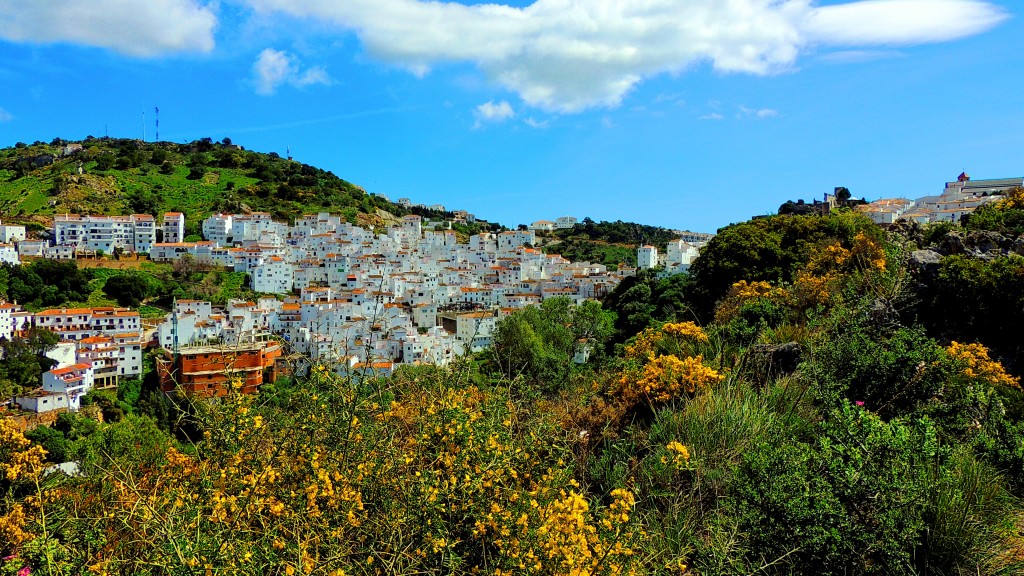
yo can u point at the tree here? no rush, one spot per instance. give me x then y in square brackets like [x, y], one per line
[24, 360]
[105, 161]
[540, 343]
[127, 289]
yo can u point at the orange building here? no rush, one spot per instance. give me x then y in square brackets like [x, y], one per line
[208, 370]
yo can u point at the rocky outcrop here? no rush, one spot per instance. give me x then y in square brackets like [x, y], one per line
[983, 244]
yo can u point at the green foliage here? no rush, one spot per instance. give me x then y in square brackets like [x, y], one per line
[640, 300]
[892, 373]
[1005, 220]
[128, 289]
[24, 361]
[974, 300]
[196, 178]
[848, 502]
[968, 511]
[539, 344]
[769, 249]
[44, 283]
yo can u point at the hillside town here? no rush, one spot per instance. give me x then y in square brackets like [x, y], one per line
[334, 294]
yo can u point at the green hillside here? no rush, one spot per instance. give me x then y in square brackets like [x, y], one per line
[122, 176]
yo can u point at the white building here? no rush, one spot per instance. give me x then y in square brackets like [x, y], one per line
[563, 222]
[11, 234]
[41, 401]
[74, 381]
[135, 233]
[475, 329]
[173, 227]
[679, 255]
[122, 326]
[646, 257]
[9, 254]
[217, 229]
[13, 320]
[275, 276]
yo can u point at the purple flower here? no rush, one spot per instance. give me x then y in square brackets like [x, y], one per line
[859, 402]
[25, 571]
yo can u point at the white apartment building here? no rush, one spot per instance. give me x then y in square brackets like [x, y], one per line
[135, 233]
[173, 227]
[563, 222]
[679, 255]
[13, 320]
[475, 329]
[73, 381]
[217, 229]
[275, 276]
[122, 326]
[9, 254]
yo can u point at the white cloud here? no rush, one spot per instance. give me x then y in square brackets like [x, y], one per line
[757, 112]
[5, 116]
[274, 67]
[711, 116]
[491, 112]
[569, 55]
[537, 124]
[900, 22]
[149, 28]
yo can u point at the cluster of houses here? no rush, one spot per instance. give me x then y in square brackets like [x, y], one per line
[958, 198]
[351, 298]
[335, 295]
[98, 347]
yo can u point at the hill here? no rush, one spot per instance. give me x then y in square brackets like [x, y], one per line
[608, 243]
[121, 176]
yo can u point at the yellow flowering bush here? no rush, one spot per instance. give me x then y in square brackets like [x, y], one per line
[666, 378]
[742, 293]
[20, 468]
[976, 363]
[423, 474]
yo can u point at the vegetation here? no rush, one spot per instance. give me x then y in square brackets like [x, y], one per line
[807, 401]
[119, 176]
[608, 243]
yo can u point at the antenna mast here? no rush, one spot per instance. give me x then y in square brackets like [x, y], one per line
[157, 124]
[143, 125]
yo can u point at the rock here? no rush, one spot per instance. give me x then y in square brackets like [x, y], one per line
[771, 361]
[952, 243]
[988, 242]
[924, 258]
[1018, 246]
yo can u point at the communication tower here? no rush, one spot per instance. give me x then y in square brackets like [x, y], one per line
[157, 110]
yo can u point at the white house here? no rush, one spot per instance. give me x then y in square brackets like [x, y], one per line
[75, 381]
[275, 276]
[563, 222]
[41, 401]
[217, 229]
[475, 329]
[9, 254]
[11, 234]
[647, 257]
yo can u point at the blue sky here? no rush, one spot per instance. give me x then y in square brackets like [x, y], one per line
[687, 114]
